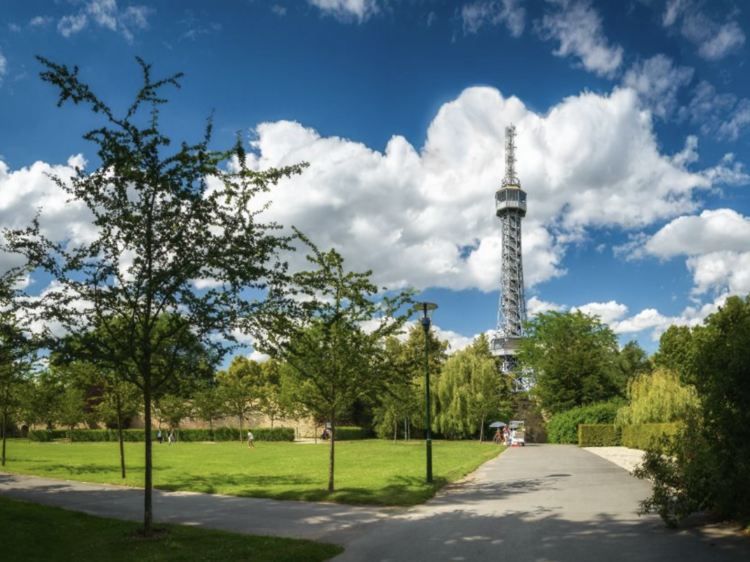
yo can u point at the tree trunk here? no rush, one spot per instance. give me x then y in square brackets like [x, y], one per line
[241, 439]
[211, 426]
[5, 421]
[148, 507]
[395, 431]
[119, 435]
[331, 458]
[70, 433]
[481, 431]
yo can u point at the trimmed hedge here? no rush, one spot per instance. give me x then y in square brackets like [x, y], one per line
[598, 435]
[642, 436]
[187, 435]
[352, 433]
[563, 427]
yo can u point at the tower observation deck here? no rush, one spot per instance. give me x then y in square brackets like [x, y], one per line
[510, 208]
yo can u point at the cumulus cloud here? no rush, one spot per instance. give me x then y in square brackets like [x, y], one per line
[493, 12]
[347, 10]
[658, 81]
[107, 15]
[426, 218]
[577, 27]
[535, 306]
[23, 192]
[607, 312]
[716, 245]
[713, 39]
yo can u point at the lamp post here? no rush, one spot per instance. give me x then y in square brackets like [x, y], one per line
[425, 308]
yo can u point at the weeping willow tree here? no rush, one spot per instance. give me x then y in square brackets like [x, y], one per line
[657, 397]
[469, 391]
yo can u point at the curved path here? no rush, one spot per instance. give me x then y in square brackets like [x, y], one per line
[537, 503]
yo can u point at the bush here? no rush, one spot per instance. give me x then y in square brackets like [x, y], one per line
[352, 433]
[563, 428]
[682, 470]
[187, 435]
[646, 436]
[598, 435]
[46, 436]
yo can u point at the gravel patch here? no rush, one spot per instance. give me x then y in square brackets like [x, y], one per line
[626, 458]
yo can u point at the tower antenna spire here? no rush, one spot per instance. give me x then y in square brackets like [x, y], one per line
[510, 157]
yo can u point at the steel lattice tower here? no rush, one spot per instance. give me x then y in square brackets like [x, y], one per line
[510, 205]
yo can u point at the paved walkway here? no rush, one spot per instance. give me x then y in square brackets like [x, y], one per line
[536, 503]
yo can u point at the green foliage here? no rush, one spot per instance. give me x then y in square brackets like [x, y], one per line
[598, 435]
[658, 397]
[333, 361]
[239, 388]
[682, 471]
[563, 427]
[646, 436]
[353, 433]
[677, 353]
[572, 357]
[77, 535]
[170, 409]
[468, 392]
[164, 217]
[631, 362]
[706, 465]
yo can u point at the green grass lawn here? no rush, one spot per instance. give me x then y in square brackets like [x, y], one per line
[39, 533]
[367, 472]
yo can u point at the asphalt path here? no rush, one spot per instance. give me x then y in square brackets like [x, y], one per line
[537, 503]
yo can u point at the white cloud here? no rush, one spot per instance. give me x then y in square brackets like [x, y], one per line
[347, 10]
[657, 81]
[494, 12]
[713, 39]
[536, 306]
[720, 114]
[3, 67]
[24, 191]
[107, 15]
[608, 312]
[577, 27]
[427, 218]
[70, 25]
[716, 243]
[258, 357]
[711, 231]
[40, 21]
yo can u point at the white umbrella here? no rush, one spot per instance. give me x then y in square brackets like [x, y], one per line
[497, 424]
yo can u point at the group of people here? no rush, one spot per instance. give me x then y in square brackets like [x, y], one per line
[502, 436]
[171, 437]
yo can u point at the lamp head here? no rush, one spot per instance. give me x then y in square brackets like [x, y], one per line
[424, 309]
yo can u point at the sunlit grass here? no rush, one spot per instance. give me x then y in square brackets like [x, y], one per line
[367, 472]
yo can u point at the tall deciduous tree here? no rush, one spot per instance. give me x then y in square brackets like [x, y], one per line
[208, 404]
[17, 349]
[334, 360]
[572, 357]
[165, 219]
[240, 388]
[658, 397]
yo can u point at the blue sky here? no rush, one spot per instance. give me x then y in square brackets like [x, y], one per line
[633, 121]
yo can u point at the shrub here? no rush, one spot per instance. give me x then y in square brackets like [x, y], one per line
[352, 433]
[46, 436]
[563, 428]
[646, 436]
[598, 435]
[187, 435]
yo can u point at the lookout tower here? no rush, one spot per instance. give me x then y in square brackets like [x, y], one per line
[510, 207]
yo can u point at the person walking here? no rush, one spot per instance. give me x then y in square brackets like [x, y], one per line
[170, 436]
[159, 437]
[250, 439]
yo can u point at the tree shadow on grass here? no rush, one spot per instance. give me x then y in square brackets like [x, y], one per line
[234, 484]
